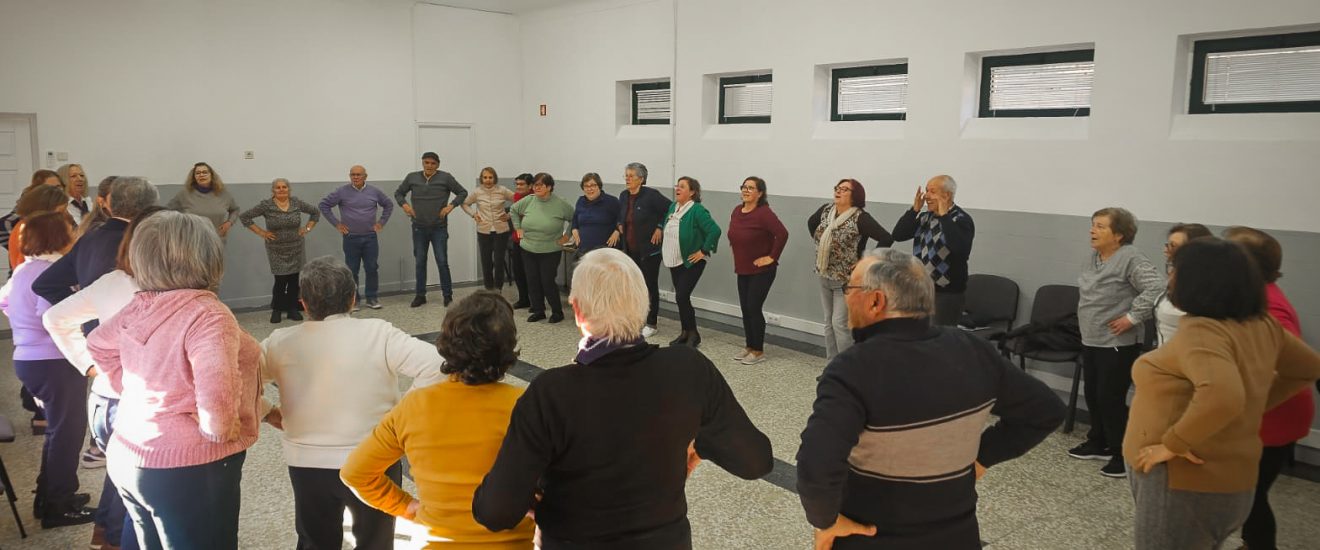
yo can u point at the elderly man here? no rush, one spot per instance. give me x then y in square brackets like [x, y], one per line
[942, 241]
[430, 210]
[898, 436]
[337, 378]
[359, 225]
[606, 435]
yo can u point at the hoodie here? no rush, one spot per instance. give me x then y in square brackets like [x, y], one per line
[188, 378]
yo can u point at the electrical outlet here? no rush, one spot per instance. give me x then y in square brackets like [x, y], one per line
[62, 156]
[773, 318]
[249, 155]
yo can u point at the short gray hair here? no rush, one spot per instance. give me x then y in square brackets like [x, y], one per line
[903, 279]
[637, 168]
[610, 295]
[277, 180]
[173, 250]
[326, 287]
[948, 183]
[130, 195]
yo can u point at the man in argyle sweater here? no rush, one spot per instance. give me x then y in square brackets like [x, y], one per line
[942, 239]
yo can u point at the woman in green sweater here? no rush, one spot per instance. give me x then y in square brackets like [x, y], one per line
[540, 221]
[690, 236]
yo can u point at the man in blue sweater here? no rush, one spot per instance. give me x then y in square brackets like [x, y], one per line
[358, 223]
[897, 437]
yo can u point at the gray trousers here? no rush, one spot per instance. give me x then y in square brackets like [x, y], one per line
[1168, 518]
[838, 336]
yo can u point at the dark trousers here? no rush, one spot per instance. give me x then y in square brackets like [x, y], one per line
[436, 238]
[752, 292]
[362, 251]
[541, 270]
[1258, 533]
[685, 281]
[63, 394]
[650, 266]
[1107, 373]
[491, 247]
[319, 499]
[110, 512]
[948, 308]
[519, 273]
[284, 296]
[194, 507]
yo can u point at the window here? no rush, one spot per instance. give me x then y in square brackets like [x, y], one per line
[869, 93]
[745, 99]
[1053, 84]
[1258, 74]
[651, 103]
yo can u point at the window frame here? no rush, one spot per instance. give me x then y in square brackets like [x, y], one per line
[1201, 48]
[643, 86]
[853, 72]
[990, 62]
[747, 79]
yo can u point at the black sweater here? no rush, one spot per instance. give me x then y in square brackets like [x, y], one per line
[607, 443]
[94, 255]
[898, 422]
[958, 229]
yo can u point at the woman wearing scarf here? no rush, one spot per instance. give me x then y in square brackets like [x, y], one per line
[840, 230]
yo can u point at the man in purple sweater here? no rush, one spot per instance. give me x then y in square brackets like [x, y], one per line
[359, 225]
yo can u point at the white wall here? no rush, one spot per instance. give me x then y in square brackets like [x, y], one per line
[149, 88]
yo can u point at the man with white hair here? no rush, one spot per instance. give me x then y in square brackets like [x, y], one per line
[942, 240]
[612, 436]
[897, 438]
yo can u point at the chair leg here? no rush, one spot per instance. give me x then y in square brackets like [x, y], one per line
[12, 498]
[1072, 398]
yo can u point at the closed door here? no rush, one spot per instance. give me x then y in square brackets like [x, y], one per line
[454, 145]
[16, 158]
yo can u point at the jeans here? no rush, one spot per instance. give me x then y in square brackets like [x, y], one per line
[110, 512]
[519, 273]
[949, 308]
[1108, 375]
[193, 507]
[650, 266]
[685, 282]
[541, 270]
[63, 394]
[1259, 532]
[319, 500]
[838, 336]
[437, 238]
[1168, 518]
[752, 292]
[362, 249]
[284, 296]
[491, 247]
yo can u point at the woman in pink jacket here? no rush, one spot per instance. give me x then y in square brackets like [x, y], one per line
[190, 389]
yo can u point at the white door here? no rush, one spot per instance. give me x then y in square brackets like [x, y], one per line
[16, 158]
[454, 145]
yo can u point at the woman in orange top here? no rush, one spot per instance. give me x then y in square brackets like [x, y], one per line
[36, 199]
[450, 432]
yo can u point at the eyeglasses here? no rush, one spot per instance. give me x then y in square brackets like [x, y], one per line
[842, 187]
[849, 288]
[747, 188]
[538, 184]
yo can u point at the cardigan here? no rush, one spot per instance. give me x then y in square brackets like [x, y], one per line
[639, 218]
[754, 235]
[942, 243]
[697, 230]
[1206, 390]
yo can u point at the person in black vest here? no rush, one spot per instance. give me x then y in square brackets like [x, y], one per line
[942, 240]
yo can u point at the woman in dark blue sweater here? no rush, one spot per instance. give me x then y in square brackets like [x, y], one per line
[595, 218]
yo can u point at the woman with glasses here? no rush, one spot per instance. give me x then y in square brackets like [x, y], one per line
[539, 221]
[840, 229]
[595, 218]
[757, 238]
[1167, 315]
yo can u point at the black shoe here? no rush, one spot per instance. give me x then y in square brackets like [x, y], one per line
[1090, 450]
[448, 300]
[1115, 468]
[682, 339]
[79, 500]
[694, 339]
[418, 301]
[521, 304]
[536, 317]
[70, 516]
[555, 318]
[294, 315]
[275, 316]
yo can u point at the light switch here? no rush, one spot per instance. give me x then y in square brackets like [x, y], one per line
[249, 155]
[62, 156]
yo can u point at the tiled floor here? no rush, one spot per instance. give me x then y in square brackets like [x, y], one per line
[1044, 500]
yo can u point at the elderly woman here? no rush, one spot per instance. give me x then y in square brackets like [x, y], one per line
[1284, 425]
[757, 239]
[1166, 314]
[491, 200]
[449, 432]
[285, 245]
[540, 221]
[690, 237]
[337, 377]
[1118, 288]
[189, 385]
[204, 194]
[595, 218]
[604, 486]
[840, 229]
[1193, 436]
[75, 184]
[642, 211]
[43, 370]
[34, 201]
[100, 212]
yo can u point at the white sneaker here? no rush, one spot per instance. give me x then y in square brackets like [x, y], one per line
[374, 304]
[649, 331]
[753, 359]
[742, 355]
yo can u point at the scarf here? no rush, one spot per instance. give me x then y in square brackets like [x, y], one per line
[592, 348]
[827, 237]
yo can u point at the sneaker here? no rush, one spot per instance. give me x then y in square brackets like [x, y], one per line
[418, 301]
[648, 331]
[93, 458]
[742, 354]
[753, 359]
[1115, 468]
[356, 308]
[1090, 450]
[374, 303]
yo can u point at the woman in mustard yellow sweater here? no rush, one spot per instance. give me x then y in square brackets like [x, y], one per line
[450, 432]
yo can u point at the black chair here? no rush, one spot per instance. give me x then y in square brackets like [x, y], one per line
[1052, 304]
[7, 436]
[990, 307]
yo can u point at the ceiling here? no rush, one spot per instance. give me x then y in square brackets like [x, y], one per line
[504, 6]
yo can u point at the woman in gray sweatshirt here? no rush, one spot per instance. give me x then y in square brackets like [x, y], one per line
[1118, 288]
[204, 194]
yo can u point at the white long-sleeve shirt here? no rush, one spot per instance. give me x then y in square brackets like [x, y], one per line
[100, 300]
[337, 378]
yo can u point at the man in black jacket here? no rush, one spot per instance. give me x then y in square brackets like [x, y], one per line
[897, 438]
[942, 239]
